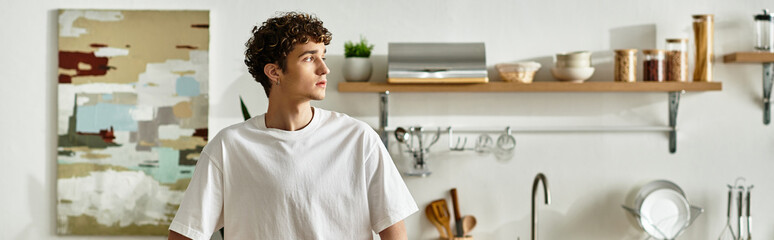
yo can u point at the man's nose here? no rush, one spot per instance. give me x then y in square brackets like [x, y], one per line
[323, 69]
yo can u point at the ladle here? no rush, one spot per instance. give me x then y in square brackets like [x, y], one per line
[402, 136]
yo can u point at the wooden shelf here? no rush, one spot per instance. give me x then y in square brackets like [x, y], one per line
[673, 89]
[533, 87]
[767, 60]
[749, 57]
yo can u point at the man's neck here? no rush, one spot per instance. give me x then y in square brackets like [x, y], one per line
[288, 117]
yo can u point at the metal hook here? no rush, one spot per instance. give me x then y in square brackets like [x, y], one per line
[435, 139]
[455, 147]
[459, 147]
[736, 182]
[451, 135]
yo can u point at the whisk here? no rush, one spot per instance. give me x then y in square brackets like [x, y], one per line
[728, 231]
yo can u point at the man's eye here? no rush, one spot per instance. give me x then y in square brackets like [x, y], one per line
[308, 59]
[324, 58]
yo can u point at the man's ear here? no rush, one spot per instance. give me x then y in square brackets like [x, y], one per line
[272, 71]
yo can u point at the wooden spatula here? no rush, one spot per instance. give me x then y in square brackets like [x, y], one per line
[437, 223]
[441, 212]
[468, 223]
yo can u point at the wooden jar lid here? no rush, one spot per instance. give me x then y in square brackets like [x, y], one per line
[676, 40]
[704, 16]
[653, 51]
[626, 51]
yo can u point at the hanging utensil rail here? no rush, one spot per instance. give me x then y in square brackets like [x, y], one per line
[543, 129]
[674, 101]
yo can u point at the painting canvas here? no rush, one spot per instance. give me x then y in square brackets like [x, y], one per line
[132, 117]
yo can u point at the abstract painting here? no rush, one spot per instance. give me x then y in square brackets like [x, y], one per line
[132, 117]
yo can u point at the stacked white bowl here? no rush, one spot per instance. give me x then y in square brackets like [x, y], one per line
[573, 66]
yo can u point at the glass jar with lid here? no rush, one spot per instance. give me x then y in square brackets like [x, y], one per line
[653, 65]
[677, 59]
[764, 31]
[703, 35]
[626, 65]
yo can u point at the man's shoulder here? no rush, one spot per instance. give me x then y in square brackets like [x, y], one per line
[237, 127]
[230, 132]
[344, 120]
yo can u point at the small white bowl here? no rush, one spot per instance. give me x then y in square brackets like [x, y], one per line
[576, 75]
[528, 66]
[579, 55]
[522, 72]
[572, 63]
[573, 59]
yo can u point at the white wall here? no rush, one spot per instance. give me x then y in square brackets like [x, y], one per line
[590, 174]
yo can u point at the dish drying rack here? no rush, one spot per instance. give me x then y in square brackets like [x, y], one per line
[695, 212]
[655, 216]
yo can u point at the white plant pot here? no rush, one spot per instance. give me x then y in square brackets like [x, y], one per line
[357, 69]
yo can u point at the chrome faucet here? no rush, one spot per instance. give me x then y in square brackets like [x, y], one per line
[538, 178]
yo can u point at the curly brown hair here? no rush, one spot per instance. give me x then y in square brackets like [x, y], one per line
[275, 39]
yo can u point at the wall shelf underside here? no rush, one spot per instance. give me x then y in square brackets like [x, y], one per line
[533, 87]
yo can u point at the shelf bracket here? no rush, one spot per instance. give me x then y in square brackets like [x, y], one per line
[674, 101]
[383, 114]
[768, 77]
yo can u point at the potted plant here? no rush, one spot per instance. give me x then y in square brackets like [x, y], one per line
[357, 65]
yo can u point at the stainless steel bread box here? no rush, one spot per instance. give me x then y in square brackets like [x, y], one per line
[436, 63]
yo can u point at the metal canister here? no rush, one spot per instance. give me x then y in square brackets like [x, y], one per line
[626, 65]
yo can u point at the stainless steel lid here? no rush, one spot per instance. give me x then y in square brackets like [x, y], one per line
[436, 60]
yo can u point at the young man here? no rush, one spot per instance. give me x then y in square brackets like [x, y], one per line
[295, 172]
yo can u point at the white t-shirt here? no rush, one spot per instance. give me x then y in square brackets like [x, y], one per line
[332, 179]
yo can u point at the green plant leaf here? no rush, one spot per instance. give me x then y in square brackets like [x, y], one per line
[245, 113]
[359, 49]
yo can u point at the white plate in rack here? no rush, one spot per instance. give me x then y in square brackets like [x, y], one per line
[652, 186]
[664, 211]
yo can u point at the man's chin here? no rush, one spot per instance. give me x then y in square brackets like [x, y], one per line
[318, 97]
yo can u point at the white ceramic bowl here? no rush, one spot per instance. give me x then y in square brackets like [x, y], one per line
[572, 63]
[573, 59]
[576, 75]
[529, 66]
[522, 72]
[579, 55]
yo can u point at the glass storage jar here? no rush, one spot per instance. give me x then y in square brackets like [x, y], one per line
[677, 59]
[654, 65]
[703, 34]
[626, 65]
[764, 31]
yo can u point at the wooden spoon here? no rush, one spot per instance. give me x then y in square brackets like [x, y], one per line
[468, 223]
[441, 212]
[437, 223]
